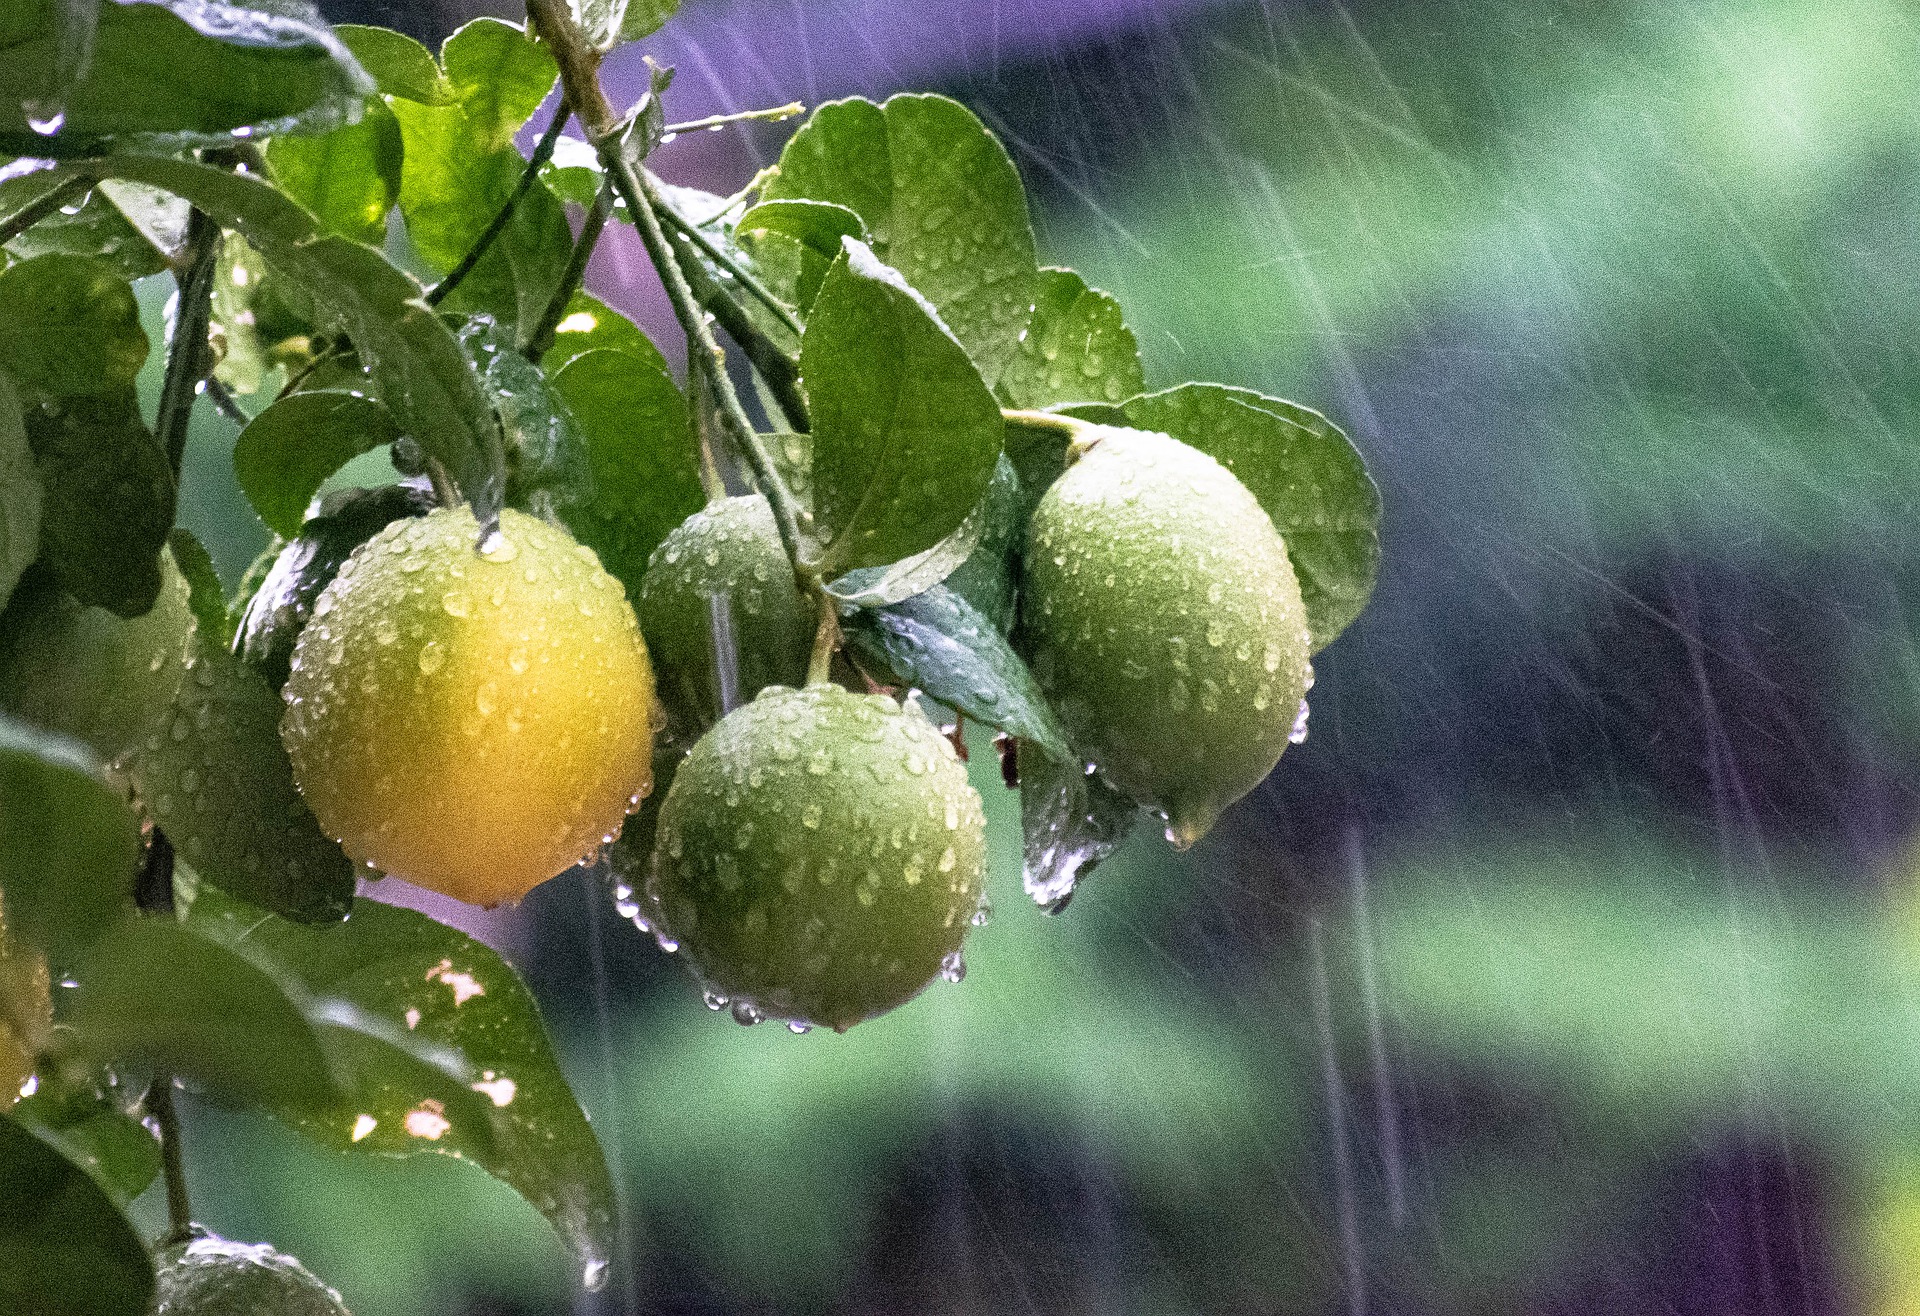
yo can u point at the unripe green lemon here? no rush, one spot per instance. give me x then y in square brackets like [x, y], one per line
[819, 856]
[731, 548]
[212, 1277]
[471, 720]
[88, 673]
[1165, 624]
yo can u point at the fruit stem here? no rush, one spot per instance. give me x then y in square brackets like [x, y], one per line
[541, 339]
[34, 211]
[826, 639]
[542, 152]
[188, 355]
[773, 115]
[445, 492]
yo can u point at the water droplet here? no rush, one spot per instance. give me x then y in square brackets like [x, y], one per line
[487, 698]
[953, 967]
[1299, 732]
[432, 657]
[456, 603]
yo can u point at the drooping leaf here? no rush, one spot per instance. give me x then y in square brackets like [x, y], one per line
[348, 177]
[205, 598]
[938, 642]
[282, 603]
[1077, 348]
[65, 1248]
[986, 578]
[90, 1126]
[109, 499]
[437, 985]
[876, 587]
[1304, 472]
[398, 65]
[589, 325]
[1070, 820]
[499, 75]
[905, 434]
[20, 494]
[547, 465]
[942, 200]
[218, 780]
[202, 67]
[69, 326]
[417, 368]
[288, 451]
[68, 843]
[640, 448]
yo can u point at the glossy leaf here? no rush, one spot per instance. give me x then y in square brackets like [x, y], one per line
[416, 366]
[288, 451]
[159, 219]
[1304, 472]
[499, 75]
[905, 434]
[69, 326]
[348, 177]
[876, 587]
[398, 65]
[94, 227]
[234, 316]
[588, 325]
[108, 499]
[986, 578]
[217, 779]
[816, 227]
[1077, 348]
[94, 1131]
[640, 448]
[65, 1248]
[282, 603]
[1070, 820]
[69, 844]
[942, 200]
[202, 67]
[939, 643]
[547, 466]
[437, 985]
[20, 493]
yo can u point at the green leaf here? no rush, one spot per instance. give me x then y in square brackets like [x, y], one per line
[1077, 348]
[876, 587]
[938, 642]
[202, 67]
[69, 326]
[65, 1248]
[234, 314]
[1304, 472]
[645, 17]
[68, 843]
[573, 173]
[218, 780]
[816, 226]
[287, 452]
[205, 598]
[437, 985]
[905, 434]
[94, 1131]
[547, 466]
[20, 493]
[416, 366]
[349, 177]
[1070, 820]
[95, 227]
[159, 219]
[399, 65]
[590, 325]
[986, 578]
[499, 75]
[640, 448]
[280, 607]
[942, 200]
[109, 499]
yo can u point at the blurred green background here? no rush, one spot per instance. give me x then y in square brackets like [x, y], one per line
[1572, 964]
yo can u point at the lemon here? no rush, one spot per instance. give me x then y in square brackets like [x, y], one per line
[212, 1277]
[471, 718]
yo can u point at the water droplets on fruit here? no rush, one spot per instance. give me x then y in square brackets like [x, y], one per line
[953, 966]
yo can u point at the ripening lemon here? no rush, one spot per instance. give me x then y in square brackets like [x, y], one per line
[473, 720]
[820, 856]
[1165, 624]
[211, 1277]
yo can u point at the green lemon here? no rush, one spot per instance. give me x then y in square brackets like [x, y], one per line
[730, 549]
[1165, 623]
[472, 718]
[88, 673]
[819, 856]
[212, 1277]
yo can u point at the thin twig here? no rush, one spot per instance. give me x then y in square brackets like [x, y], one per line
[714, 252]
[776, 367]
[34, 211]
[773, 115]
[188, 354]
[224, 404]
[596, 222]
[542, 152]
[700, 398]
[159, 1103]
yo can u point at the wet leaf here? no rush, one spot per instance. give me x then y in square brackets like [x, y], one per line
[547, 465]
[348, 177]
[589, 325]
[91, 1128]
[399, 65]
[159, 219]
[216, 777]
[942, 200]
[65, 1248]
[499, 75]
[876, 587]
[938, 642]
[1070, 820]
[283, 457]
[905, 434]
[108, 499]
[69, 326]
[20, 493]
[439, 986]
[986, 578]
[1304, 472]
[816, 227]
[68, 843]
[95, 227]
[205, 598]
[238, 316]
[639, 444]
[1077, 348]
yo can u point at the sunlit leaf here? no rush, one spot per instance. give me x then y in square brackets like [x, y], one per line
[499, 75]
[1076, 349]
[399, 65]
[69, 325]
[65, 1248]
[589, 325]
[348, 177]
[109, 499]
[283, 457]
